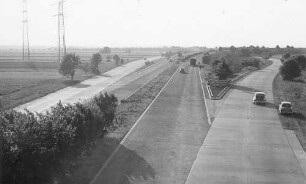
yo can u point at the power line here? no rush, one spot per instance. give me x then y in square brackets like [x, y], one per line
[25, 34]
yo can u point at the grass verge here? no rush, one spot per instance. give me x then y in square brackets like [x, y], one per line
[293, 91]
[127, 114]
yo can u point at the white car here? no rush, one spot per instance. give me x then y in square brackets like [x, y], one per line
[259, 98]
[285, 108]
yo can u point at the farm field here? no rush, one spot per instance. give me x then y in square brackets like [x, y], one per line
[21, 82]
[50, 54]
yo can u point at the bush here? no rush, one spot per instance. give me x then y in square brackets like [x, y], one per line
[107, 105]
[217, 62]
[222, 70]
[301, 60]
[206, 59]
[251, 62]
[286, 56]
[290, 69]
[37, 149]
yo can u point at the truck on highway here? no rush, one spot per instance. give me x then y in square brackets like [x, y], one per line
[193, 61]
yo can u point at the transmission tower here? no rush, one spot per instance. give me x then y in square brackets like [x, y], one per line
[61, 30]
[25, 34]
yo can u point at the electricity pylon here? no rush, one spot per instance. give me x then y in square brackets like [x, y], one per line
[61, 30]
[25, 34]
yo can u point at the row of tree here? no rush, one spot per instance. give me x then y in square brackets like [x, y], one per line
[71, 62]
[39, 148]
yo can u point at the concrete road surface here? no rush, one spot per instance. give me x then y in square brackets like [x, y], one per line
[85, 90]
[163, 145]
[246, 143]
[131, 83]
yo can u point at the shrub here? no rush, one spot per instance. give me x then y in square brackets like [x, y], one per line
[206, 59]
[36, 149]
[255, 62]
[222, 70]
[290, 69]
[217, 62]
[301, 60]
[107, 105]
[286, 56]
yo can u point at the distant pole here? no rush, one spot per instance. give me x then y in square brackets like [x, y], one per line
[25, 34]
[61, 30]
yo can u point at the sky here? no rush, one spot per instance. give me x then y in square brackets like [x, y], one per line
[154, 23]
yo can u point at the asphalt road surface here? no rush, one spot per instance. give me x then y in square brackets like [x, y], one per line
[163, 145]
[246, 143]
[85, 90]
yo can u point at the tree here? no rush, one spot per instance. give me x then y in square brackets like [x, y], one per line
[220, 49]
[290, 69]
[85, 67]
[217, 61]
[222, 70]
[233, 49]
[301, 60]
[245, 52]
[286, 56]
[180, 54]
[121, 61]
[69, 64]
[95, 60]
[108, 58]
[105, 50]
[116, 59]
[206, 59]
[256, 50]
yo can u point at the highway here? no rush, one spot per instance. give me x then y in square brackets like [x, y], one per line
[163, 144]
[246, 143]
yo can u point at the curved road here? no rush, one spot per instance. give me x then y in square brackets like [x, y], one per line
[246, 143]
[163, 145]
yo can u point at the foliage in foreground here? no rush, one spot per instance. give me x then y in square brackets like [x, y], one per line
[39, 148]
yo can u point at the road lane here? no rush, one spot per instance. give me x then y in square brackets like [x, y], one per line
[246, 142]
[85, 90]
[129, 84]
[164, 144]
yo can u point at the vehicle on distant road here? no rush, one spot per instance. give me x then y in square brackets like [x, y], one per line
[259, 98]
[285, 108]
[193, 61]
[182, 70]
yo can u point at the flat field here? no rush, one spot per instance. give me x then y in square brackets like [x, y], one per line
[21, 82]
[50, 54]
